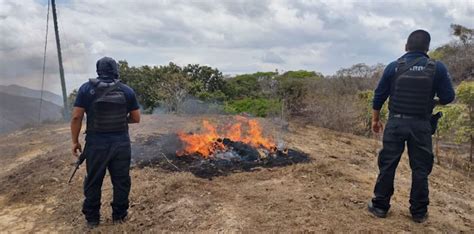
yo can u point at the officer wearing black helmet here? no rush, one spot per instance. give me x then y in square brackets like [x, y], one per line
[412, 83]
[110, 106]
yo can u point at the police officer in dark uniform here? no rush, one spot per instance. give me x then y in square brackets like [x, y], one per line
[110, 106]
[411, 82]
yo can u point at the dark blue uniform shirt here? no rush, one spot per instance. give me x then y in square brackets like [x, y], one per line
[442, 86]
[84, 99]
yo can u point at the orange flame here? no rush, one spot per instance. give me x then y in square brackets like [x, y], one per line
[255, 138]
[206, 143]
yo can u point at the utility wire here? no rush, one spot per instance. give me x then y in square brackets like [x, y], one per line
[44, 63]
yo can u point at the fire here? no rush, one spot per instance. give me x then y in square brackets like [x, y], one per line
[205, 143]
[255, 138]
[209, 141]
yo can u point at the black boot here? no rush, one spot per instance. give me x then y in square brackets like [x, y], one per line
[376, 211]
[92, 224]
[120, 220]
[420, 218]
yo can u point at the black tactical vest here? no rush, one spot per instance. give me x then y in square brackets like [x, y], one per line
[412, 89]
[108, 112]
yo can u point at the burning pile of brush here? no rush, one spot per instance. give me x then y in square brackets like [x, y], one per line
[241, 140]
[215, 151]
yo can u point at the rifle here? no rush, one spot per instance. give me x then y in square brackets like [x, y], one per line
[434, 121]
[78, 163]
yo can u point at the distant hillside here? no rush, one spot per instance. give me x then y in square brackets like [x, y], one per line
[18, 111]
[31, 93]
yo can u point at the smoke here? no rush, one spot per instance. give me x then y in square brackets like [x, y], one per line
[191, 106]
[195, 106]
[154, 148]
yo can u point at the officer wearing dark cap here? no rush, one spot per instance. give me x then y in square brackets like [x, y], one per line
[110, 106]
[412, 83]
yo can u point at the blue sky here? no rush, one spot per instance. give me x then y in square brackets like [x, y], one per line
[238, 36]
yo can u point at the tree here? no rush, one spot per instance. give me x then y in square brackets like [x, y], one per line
[301, 74]
[360, 70]
[292, 90]
[71, 98]
[448, 124]
[359, 77]
[261, 107]
[174, 88]
[268, 84]
[167, 86]
[466, 35]
[457, 55]
[209, 79]
[465, 95]
[144, 80]
[243, 86]
[458, 119]
[366, 98]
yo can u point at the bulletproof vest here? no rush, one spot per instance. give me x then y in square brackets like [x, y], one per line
[108, 112]
[412, 88]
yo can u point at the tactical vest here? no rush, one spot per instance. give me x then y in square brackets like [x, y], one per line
[108, 112]
[412, 89]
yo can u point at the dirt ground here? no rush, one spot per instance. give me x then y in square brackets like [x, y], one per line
[329, 194]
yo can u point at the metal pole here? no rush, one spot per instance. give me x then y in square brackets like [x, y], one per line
[60, 60]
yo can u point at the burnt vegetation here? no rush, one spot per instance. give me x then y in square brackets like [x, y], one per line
[160, 151]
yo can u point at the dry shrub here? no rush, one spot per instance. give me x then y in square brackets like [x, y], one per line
[333, 102]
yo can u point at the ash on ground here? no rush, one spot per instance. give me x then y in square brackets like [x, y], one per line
[160, 151]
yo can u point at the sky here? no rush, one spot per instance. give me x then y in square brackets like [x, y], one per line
[239, 36]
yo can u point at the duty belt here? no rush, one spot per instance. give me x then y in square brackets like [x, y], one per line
[405, 116]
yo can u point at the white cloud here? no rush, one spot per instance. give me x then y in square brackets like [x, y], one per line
[272, 57]
[234, 36]
[98, 48]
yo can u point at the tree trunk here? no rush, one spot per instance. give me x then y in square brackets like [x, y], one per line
[470, 153]
[438, 161]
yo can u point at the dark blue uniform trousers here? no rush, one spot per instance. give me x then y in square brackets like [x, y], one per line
[116, 158]
[417, 135]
